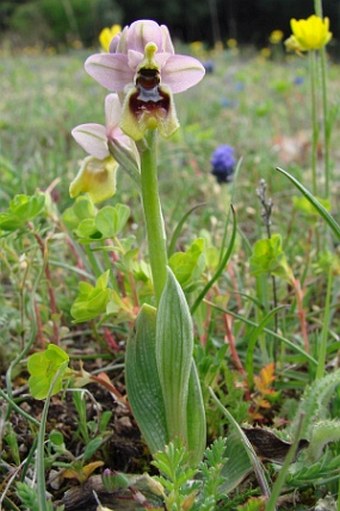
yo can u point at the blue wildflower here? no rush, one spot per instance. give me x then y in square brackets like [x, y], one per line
[298, 80]
[223, 163]
[239, 86]
[209, 66]
[228, 103]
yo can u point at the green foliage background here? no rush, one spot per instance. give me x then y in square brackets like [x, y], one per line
[249, 21]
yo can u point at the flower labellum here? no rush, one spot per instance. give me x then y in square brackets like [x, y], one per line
[223, 163]
[149, 105]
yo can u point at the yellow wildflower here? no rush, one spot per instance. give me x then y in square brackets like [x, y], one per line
[292, 44]
[107, 34]
[276, 36]
[265, 53]
[312, 33]
[197, 48]
[231, 43]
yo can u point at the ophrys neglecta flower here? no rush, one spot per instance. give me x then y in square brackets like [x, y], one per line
[105, 145]
[143, 68]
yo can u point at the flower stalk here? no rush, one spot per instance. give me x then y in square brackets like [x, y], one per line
[326, 124]
[314, 118]
[153, 214]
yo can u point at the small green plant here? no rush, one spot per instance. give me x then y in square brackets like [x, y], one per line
[188, 488]
[43, 367]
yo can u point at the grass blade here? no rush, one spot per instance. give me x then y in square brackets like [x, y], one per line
[221, 266]
[257, 466]
[310, 197]
[178, 229]
[289, 343]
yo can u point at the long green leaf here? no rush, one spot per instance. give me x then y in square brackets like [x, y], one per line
[221, 266]
[178, 229]
[196, 420]
[142, 381]
[289, 343]
[174, 349]
[256, 464]
[317, 205]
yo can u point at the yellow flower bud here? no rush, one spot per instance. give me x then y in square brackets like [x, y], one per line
[95, 177]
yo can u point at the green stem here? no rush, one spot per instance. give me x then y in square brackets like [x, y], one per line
[325, 328]
[153, 215]
[318, 8]
[326, 123]
[43, 503]
[95, 265]
[278, 485]
[18, 409]
[326, 127]
[315, 128]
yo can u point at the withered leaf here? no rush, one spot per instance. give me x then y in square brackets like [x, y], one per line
[268, 446]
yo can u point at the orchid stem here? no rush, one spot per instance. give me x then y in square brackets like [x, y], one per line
[153, 214]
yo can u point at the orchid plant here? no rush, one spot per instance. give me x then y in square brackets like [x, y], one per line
[144, 72]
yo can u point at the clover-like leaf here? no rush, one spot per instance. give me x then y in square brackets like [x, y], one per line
[268, 257]
[110, 220]
[82, 209]
[188, 266]
[43, 367]
[87, 230]
[91, 300]
[22, 209]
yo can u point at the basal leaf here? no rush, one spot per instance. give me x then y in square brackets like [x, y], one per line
[142, 381]
[174, 350]
[196, 420]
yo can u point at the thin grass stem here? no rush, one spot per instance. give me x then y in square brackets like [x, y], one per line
[278, 485]
[314, 118]
[320, 371]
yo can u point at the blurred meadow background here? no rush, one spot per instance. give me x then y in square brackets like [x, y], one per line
[269, 327]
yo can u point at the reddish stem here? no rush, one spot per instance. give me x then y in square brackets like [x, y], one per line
[230, 339]
[40, 335]
[204, 336]
[53, 305]
[234, 283]
[301, 313]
